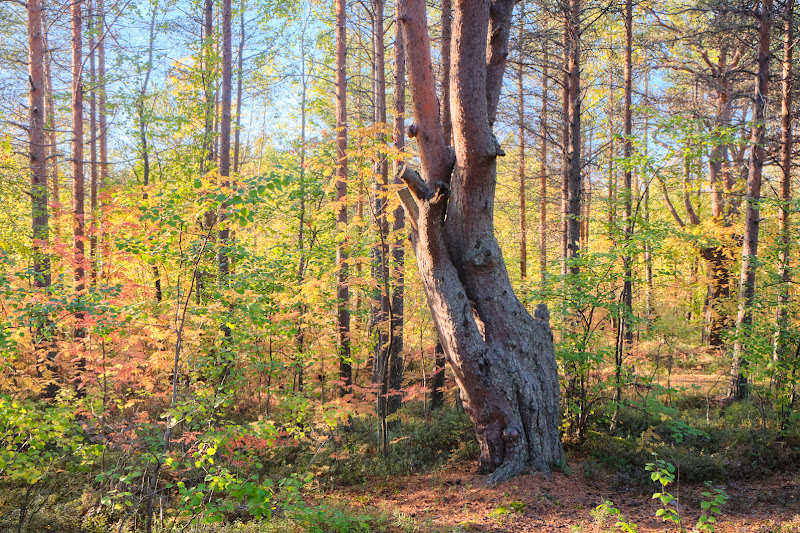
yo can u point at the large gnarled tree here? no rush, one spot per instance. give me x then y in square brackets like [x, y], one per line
[502, 357]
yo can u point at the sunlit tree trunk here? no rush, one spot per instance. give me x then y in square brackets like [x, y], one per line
[747, 280]
[93, 168]
[502, 357]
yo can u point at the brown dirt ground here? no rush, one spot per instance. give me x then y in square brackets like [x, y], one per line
[457, 499]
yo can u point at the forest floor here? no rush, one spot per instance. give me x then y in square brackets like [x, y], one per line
[457, 499]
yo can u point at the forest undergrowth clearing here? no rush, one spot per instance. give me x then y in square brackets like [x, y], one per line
[457, 499]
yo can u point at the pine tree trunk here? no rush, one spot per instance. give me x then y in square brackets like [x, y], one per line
[781, 351]
[502, 357]
[93, 168]
[342, 288]
[747, 280]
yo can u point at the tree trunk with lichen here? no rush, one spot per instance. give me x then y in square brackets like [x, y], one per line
[502, 357]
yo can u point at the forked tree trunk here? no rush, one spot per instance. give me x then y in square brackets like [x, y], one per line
[747, 280]
[502, 357]
[342, 288]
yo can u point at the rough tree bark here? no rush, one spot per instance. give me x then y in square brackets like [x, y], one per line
[747, 280]
[502, 357]
[342, 288]
[572, 187]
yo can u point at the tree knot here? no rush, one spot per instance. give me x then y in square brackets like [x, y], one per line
[542, 312]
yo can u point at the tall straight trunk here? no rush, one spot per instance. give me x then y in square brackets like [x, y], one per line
[648, 246]
[438, 381]
[37, 143]
[523, 227]
[543, 177]
[502, 357]
[747, 280]
[626, 331]
[78, 194]
[300, 338]
[565, 159]
[145, 149]
[612, 155]
[381, 313]
[102, 112]
[223, 258]
[573, 188]
[208, 69]
[399, 245]
[50, 124]
[93, 172]
[342, 287]
[239, 78]
[782, 315]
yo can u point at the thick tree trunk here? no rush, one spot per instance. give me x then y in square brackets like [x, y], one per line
[37, 141]
[342, 288]
[782, 315]
[437, 381]
[78, 194]
[502, 357]
[747, 280]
